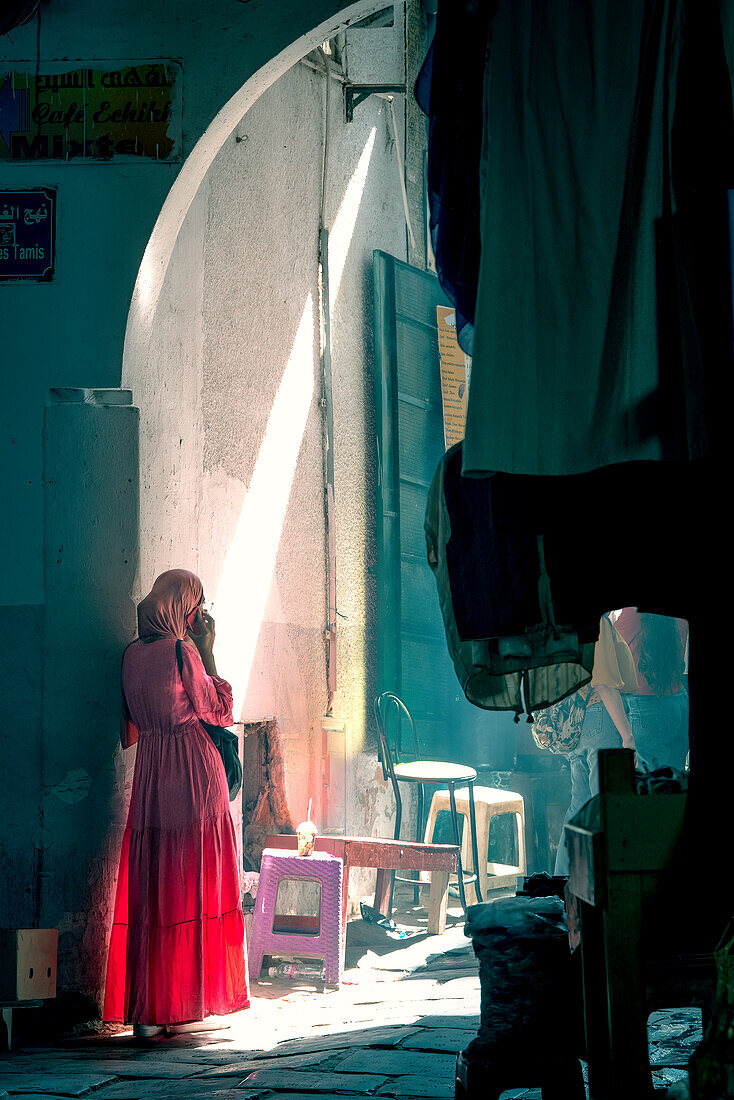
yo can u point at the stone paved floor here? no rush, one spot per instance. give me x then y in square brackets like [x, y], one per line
[392, 1030]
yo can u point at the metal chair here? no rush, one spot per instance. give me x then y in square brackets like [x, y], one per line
[390, 711]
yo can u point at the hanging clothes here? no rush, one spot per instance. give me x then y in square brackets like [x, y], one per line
[603, 317]
[623, 534]
[526, 566]
[507, 651]
[449, 91]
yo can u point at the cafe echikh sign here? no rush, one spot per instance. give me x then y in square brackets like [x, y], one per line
[119, 112]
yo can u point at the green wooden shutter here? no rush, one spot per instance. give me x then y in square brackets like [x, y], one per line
[413, 659]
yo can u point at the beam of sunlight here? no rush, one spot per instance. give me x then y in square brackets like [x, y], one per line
[340, 235]
[244, 586]
[340, 239]
[248, 569]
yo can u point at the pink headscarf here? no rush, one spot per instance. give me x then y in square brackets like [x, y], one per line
[164, 611]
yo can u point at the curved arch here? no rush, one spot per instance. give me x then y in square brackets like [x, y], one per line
[156, 258]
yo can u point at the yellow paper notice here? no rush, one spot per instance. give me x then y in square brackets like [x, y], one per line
[455, 373]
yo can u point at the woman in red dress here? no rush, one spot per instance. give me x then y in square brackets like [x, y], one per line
[177, 952]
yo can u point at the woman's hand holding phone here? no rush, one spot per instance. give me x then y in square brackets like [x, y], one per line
[202, 635]
[204, 631]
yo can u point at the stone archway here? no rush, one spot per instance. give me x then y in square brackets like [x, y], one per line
[156, 258]
[180, 480]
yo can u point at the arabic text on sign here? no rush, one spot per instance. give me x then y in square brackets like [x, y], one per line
[91, 114]
[27, 234]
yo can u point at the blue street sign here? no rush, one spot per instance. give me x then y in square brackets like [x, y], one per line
[27, 234]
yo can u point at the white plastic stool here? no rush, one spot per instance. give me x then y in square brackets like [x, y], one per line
[490, 802]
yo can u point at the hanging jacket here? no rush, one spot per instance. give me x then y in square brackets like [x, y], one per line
[507, 650]
[449, 91]
[526, 566]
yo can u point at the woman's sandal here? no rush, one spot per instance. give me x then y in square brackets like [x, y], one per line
[147, 1031]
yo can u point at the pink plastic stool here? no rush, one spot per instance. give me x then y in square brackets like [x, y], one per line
[326, 944]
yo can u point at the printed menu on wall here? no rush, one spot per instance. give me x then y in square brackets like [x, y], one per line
[455, 374]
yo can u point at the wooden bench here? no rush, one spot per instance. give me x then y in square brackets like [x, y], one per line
[441, 860]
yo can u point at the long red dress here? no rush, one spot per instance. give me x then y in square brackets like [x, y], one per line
[178, 951]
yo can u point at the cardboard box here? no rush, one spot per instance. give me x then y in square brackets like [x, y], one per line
[28, 963]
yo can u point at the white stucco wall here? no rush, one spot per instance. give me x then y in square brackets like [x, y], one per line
[231, 422]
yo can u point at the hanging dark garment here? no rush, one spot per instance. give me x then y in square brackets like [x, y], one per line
[624, 535]
[507, 651]
[526, 566]
[449, 91]
[603, 319]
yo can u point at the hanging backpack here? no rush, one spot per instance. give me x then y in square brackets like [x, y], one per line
[558, 727]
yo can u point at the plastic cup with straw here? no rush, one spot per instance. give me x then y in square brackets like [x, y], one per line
[306, 834]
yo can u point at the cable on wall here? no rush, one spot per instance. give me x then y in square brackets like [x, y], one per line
[325, 156]
[327, 404]
[401, 171]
